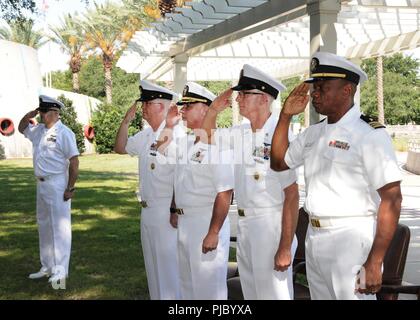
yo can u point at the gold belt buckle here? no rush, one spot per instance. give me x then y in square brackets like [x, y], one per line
[179, 211]
[315, 223]
[241, 212]
[143, 204]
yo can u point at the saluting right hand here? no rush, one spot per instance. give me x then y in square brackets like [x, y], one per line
[297, 100]
[173, 116]
[131, 113]
[222, 101]
[32, 114]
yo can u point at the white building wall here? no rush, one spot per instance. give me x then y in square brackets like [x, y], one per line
[20, 80]
[20, 86]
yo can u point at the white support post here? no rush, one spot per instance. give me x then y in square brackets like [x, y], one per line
[180, 72]
[323, 35]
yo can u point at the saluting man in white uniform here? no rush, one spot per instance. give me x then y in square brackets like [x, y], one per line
[267, 200]
[158, 225]
[352, 179]
[203, 190]
[56, 166]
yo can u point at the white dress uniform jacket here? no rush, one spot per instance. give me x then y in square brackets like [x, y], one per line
[345, 164]
[259, 193]
[202, 172]
[52, 149]
[158, 237]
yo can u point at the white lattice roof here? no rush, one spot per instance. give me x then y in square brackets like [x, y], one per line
[219, 36]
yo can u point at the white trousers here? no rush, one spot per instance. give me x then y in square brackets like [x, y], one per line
[203, 276]
[334, 255]
[258, 240]
[54, 223]
[159, 244]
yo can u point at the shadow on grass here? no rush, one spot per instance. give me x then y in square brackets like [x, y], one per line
[106, 260]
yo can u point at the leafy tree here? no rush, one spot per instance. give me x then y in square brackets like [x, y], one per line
[126, 87]
[17, 9]
[13, 9]
[401, 89]
[69, 117]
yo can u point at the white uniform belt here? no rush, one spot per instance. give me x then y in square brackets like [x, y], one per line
[149, 203]
[320, 222]
[50, 177]
[244, 212]
[194, 210]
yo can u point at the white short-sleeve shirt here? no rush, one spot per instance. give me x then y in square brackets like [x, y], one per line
[256, 184]
[52, 148]
[345, 164]
[156, 172]
[202, 171]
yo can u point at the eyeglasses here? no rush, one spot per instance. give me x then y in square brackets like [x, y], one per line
[245, 93]
[148, 103]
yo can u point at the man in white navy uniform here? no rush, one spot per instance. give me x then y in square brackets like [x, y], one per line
[158, 229]
[352, 179]
[203, 190]
[267, 200]
[56, 167]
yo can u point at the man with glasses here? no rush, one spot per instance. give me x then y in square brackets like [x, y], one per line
[158, 224]
[267, 200]
[203, 190]
[56, 166]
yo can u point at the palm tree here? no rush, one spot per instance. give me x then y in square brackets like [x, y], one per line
[21, 31]
[69, 36]
[109, 27]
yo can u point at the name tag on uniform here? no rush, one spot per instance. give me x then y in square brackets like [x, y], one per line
[262, 153]
[153, 149]
[198, 156]
[339, 144]
[52, 137]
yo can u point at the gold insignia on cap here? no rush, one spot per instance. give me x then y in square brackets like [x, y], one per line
[256, 176]
[160, 96]
[263, 87]
[186, 88]
[152, 166]
[314, 64]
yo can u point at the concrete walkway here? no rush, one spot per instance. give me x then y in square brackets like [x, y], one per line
[410, 216]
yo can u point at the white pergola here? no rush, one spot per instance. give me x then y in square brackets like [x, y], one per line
[212, 39]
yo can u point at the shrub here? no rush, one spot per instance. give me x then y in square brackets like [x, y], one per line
[69, 117]
[2, 153]
[106, 120]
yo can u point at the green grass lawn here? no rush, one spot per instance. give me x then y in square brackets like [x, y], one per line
[106, 260]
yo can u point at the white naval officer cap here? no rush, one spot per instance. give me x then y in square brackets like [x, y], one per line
[150, 91]
[326, 65]
[252, 78]
[47, 103]
[193, 92]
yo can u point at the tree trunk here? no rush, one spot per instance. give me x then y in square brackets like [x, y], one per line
[380, 89]
[76, 83]
[107, 62]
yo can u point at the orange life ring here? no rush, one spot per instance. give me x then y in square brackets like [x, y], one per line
[7, 128]
[89, 132]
